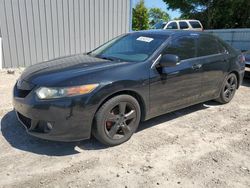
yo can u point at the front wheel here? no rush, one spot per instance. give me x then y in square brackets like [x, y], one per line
[117, 120]
[228, 90]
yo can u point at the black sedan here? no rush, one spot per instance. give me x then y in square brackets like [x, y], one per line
[134, 77]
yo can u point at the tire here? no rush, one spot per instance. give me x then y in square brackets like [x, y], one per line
[228, 89]
[117, 120]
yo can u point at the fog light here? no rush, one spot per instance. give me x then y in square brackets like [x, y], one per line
[44, 127]
[48, 127]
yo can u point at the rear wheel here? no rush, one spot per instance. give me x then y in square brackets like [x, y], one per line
[117, 120]
[228, 90]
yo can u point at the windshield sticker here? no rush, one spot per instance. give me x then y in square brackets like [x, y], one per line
[145, 39]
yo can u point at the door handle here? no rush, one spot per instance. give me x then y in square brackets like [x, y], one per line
[197, 66]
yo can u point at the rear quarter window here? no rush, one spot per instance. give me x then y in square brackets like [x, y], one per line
[228, 47]
[195, 24]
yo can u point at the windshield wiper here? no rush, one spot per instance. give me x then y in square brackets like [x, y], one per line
[109, 58]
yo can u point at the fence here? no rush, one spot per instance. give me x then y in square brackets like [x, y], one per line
[238, 38]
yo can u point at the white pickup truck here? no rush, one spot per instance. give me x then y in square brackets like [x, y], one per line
[181, 25]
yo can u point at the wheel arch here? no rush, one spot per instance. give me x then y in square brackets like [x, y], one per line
[237, 76]
[132, 93]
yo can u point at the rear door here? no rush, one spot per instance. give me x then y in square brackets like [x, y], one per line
[180, 85]
[214, 60]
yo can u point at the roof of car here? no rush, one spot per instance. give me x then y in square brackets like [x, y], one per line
[190, 20]
[170, 32]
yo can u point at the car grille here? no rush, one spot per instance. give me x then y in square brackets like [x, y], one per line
[33, 125]
[26, 121]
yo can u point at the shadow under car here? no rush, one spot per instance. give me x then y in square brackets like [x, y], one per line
[15, 134]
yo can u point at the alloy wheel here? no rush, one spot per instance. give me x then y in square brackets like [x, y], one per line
[230, 87]
[120, 120]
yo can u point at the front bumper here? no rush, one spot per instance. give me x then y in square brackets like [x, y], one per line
[66, 119]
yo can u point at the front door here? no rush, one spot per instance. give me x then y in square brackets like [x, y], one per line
[174, 87]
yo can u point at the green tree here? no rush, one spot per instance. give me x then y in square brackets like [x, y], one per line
[140, 20]
[214, 14]
[156, 15]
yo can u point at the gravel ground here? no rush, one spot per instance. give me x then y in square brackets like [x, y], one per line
[206, 145]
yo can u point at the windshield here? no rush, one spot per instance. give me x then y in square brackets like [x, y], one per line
[134, 47]
[159, 25]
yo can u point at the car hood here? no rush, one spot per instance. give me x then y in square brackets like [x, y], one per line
[60, 69]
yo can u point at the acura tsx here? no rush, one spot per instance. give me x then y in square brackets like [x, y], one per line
[132, 78]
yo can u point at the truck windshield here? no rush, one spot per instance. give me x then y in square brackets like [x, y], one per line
[159, 25]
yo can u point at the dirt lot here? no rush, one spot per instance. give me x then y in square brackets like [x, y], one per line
[206, 145]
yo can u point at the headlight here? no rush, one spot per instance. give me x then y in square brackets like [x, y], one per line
[58, 92]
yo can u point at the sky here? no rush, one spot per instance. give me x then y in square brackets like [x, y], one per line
[159, 4]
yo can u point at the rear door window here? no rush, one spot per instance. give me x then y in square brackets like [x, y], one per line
[195, 24]
[184, 47]
[208, 45]
[183, 25]
[172, 25]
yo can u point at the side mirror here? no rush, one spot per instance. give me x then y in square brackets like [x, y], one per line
[169, 60]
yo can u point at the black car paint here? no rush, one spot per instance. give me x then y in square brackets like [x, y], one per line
[158, 90]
